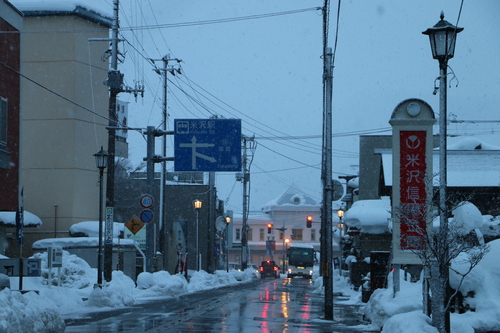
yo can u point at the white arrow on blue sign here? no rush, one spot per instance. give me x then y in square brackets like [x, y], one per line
[207, 145]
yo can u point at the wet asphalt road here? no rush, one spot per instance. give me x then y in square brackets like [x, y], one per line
[269, 305]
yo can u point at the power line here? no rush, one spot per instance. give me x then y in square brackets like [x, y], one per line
[224, 20]
[53, 92]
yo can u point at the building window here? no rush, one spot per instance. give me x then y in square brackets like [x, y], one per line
[313, 234]
[282, 234]
[261, 234]
[3, 123]
[238, 234]
[249, 234]
[297, 234]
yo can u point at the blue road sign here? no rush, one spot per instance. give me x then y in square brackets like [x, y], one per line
[146, 215]
[207, 145]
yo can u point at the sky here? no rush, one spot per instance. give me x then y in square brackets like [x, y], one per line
[267, 71]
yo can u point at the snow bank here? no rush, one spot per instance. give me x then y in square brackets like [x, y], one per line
[28, 313]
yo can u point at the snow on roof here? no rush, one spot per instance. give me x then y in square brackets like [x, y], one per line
[470, 163]
[302, 245]
[91, 229]
[369, 216]
[99, 11]
[9, 219]
[76, 242]
[291, 199]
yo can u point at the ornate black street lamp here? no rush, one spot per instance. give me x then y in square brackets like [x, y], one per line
[101, 161]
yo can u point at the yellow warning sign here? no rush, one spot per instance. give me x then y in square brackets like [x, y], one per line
[134, 224]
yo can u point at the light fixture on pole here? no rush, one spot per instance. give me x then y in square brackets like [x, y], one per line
[286, 251]
[197, 206]
[228, 220]
[340, 214]
[101, 161]
[442, 37]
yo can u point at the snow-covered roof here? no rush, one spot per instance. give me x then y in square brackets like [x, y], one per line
[76, 242]
[91, 229]
[369, 216]
[94, 11]
[470, 163]
[9, 219]
[292, 199]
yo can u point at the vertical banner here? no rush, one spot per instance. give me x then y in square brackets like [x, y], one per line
[20, 219]
[109, 226]
[413, 194]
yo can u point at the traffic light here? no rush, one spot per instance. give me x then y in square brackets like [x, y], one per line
[269, 228]
[309, 220]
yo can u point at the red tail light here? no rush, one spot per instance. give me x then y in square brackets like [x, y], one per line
[261, 269]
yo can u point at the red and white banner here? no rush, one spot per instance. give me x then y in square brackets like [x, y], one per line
[413, 194]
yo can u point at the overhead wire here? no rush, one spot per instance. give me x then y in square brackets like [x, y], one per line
[218, 21]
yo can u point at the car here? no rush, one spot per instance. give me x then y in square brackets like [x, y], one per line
[269, 268]
[234, 265]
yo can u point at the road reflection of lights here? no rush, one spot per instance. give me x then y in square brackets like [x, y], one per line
[285, 298]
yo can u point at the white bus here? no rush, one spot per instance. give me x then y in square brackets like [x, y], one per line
[300, 260]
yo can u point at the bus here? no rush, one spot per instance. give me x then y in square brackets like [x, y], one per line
[300, 260]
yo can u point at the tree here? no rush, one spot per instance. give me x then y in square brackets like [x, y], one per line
[437, 248]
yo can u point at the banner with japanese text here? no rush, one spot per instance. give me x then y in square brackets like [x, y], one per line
[413, 194]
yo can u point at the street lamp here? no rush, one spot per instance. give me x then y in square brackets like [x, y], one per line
[286, 250]
[340, 226]
[228, 220]
[197, 205]
[101, 161]
[442, 37]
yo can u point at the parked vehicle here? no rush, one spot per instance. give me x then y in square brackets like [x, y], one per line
[300, 260]
[234, 265]
[269, 268]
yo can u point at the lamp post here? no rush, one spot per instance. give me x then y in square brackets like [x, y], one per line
[286, 250]
[197, 205]
[228, 220]
[340, 214]
[101, 161]
[442, 37]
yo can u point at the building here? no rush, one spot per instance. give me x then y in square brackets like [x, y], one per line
[10, 105]
[287, 214]
[64, 105]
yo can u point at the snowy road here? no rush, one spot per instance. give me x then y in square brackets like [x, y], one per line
[270, 305]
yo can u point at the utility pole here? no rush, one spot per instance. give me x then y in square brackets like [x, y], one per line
[164, 71]
[328, 190]
[151, 159]
[245, 180]
[326, 216]
[115, 84]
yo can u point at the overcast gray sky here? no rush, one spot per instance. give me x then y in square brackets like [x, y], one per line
[268, 72]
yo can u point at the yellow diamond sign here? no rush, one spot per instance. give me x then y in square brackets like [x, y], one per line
[134, 224]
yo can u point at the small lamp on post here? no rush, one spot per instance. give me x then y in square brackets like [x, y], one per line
[340, 214]
[101, 161]
[286, 250]
[442, 37]
[197, 206]
[228, 220]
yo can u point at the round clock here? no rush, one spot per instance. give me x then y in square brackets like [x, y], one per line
[413, 109]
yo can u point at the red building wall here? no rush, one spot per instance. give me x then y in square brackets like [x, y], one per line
[10, 58]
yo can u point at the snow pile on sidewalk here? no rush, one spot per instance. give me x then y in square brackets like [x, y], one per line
[403, 312]
[44, 312]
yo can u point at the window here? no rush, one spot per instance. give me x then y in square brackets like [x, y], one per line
[282, 234]
[261, 234]
[3, 122]
[313, 234]
[238, 234]
[297, 234]
[249, 234]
